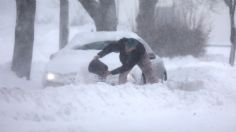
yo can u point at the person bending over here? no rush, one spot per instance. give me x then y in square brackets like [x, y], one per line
[132, 53]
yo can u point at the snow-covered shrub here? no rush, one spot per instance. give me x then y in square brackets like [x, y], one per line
[179, 31]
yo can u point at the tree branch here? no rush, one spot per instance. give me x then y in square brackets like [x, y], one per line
[228, 3]
[92, 6]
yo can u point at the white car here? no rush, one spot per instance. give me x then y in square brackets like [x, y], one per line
[70, 65]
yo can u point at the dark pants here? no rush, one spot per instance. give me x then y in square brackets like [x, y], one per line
[145, 65]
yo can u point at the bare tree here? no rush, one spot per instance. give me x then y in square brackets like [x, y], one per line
[172, 30]
[232, 4]
[103, 12]
[146, 19]
[180, 30]
[64, 23]
[24, 37]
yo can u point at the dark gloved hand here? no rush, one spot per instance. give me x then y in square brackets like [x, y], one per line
[96, 57]
[107, 73]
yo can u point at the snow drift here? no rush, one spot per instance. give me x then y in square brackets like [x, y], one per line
[200, 96]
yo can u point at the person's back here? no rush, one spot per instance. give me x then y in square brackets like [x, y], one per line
[133, 56]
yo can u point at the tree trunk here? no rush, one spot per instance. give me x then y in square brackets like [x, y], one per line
[232, 36]
[232, 54]
[103, 13]
[24, 37]
[146, 19]
[64, 23]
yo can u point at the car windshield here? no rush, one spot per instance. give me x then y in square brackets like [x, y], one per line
[93, 46]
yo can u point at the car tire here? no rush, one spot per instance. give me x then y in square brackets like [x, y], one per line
[165, 76]
[144, 81]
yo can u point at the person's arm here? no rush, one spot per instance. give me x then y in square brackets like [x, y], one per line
[123, 68]
[132, 61]
[113, 47]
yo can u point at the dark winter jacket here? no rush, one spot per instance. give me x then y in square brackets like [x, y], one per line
[128, 60]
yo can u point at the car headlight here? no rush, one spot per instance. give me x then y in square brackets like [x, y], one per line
[51, 76]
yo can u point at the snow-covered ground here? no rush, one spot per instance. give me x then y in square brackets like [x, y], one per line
[200, 95]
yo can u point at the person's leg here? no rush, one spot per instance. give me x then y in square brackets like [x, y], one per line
[123, 77]
[145, 66]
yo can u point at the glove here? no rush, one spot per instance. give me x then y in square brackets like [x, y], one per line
[96, 57]
[107, 73]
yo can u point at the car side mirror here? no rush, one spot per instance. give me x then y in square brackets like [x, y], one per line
[151, 56]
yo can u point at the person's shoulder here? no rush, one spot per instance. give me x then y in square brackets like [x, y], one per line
[139, 43]
[140, 47]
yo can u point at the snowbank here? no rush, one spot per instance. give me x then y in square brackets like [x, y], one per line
[199, 96]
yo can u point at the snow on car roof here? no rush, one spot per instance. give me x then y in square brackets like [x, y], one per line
[90, 37]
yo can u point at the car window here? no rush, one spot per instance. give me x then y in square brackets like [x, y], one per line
[93, 46]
